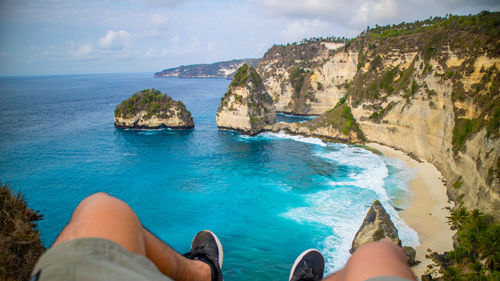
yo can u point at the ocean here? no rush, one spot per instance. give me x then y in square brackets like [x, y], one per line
[267, 197]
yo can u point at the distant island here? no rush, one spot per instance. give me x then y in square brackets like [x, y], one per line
[150, 109]
[222, 69]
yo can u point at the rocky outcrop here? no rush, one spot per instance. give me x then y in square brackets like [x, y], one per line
[150, 109]
[376, 226]
[246, 107]
[337, 125]
[307, 79]
[223, 69]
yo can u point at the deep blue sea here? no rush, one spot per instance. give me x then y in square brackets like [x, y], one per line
[267, 197]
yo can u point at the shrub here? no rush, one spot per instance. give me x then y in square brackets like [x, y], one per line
[20, 245]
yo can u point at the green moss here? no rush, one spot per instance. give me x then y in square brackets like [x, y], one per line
[297, 76]
[457, 183]
[463, 129]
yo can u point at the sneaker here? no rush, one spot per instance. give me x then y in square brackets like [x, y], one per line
[207, 248]
[309, 266]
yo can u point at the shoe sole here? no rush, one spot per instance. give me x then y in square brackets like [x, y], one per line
[298, 259]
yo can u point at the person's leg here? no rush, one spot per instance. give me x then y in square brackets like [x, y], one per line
[382, 258]
[104, 216]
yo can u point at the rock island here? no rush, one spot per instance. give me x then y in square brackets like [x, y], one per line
[150, 109]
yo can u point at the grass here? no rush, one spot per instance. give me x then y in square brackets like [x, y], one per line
[340, 118]
[20, 245]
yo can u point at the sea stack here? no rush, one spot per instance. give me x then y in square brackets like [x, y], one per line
[150, 109]
[246, 107]
[376, 226]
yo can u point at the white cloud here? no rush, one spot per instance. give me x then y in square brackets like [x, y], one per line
[161, 3]
[376, 11]
[115, 40]
[81, 52]
[159, 21]
[298, 30]
[354, 15]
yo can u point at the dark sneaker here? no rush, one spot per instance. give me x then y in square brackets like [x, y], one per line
[309, 266]
[207, 248]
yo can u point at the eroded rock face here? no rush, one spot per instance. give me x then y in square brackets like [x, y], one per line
[376, 226]
[309, 78]
[150, 109]
[246, 107]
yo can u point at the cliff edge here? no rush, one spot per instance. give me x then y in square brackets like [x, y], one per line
[150, 109]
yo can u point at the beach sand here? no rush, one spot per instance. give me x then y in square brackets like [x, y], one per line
[426, 213]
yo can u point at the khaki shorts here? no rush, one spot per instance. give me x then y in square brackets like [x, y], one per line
[94, 259]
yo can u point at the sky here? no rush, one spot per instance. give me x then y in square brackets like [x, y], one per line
[47, 37]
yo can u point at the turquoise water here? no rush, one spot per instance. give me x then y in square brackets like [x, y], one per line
[267, 197]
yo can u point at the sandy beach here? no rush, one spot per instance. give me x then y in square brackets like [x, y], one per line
[426, 213]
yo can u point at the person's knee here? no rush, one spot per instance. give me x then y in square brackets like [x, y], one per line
[382, 258]
[103, 216]
[383, 247]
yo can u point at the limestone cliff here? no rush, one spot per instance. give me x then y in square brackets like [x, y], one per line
[309, 78]
[150, 109]
[430, 88]
[434, 92]
[246, 107]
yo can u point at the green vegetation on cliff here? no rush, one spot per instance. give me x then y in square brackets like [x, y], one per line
[20, 245]
[340, 118]
[152, 101]
[245, 75]
[476, 253]
[468, 37]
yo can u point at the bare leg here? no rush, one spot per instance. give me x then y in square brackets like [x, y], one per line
[104, 216]
[382, 258]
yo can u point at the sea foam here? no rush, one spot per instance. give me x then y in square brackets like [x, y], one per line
[343, 207]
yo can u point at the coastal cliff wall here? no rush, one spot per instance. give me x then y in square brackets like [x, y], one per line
[429, 88]
[307, 79]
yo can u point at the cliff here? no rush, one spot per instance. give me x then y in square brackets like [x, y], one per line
[223, 69]
[309, 78]
[150, 109]
[430, 88]
[246, 106]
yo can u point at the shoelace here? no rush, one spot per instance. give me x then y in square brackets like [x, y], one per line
[307, 274]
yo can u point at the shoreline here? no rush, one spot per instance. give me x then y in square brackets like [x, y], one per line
[427, 211]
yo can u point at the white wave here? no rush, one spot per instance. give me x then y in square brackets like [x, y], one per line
[282, 135]
[344, 207]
